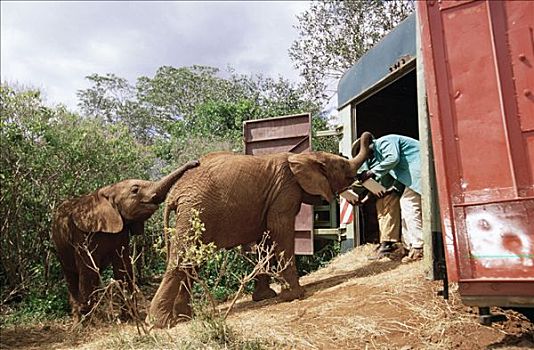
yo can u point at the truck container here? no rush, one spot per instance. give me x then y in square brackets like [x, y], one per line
[479, 74]
[458, 76]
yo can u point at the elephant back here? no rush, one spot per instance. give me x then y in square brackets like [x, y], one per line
[202, 179]
[233, 192]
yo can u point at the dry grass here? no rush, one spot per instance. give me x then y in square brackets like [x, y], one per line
[351, 304]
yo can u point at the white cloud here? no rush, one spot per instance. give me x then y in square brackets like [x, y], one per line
[54, 45]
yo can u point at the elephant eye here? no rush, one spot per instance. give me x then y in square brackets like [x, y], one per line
[135, 189]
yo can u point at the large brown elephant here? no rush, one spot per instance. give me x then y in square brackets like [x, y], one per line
[240, 198]
[93, 231]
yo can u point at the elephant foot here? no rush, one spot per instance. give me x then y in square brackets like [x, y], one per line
[182, 311]
[292, 294]
[170, 319]
[263, 294]
[161, 322]
[84, 312]
[76, 318]
[165, 321]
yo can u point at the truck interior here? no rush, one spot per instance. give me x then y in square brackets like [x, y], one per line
[390, 109]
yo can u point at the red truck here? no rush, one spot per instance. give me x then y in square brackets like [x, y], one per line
[459, 77]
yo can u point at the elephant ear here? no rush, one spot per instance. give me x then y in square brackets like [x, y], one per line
[94, 213]
[310, 173]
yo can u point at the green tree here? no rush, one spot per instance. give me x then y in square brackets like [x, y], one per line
[221, 118]
[113, 99]
[174, 93]
[48, 155]
[334, 34]
[193, 110]
[106, 98]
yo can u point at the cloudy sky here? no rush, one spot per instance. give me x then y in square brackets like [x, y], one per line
[54, 45]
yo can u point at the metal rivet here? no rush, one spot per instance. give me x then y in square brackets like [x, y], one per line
[522, 57]
[527, 92]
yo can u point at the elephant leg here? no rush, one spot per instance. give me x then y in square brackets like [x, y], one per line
[182, 303]
[74, 295]
[290, 275]
[171, 301]
[67, 259]
[122, 266]
[262, 290]
[282, 232]
[88, 282]
[122, 271]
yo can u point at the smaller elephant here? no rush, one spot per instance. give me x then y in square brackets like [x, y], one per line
[93, 231]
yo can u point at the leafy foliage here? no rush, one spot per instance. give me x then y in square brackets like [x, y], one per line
[39, 306]
[333, 35]
[192, 250]
[232, 265]
[48, 155]
[308, 263]
[188, 111]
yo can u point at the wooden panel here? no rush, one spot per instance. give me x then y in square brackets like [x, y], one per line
[285, 134]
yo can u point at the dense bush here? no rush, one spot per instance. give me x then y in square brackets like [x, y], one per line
[322, 256]
[223, 273]
[48, 155]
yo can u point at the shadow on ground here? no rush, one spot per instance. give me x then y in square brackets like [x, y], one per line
[525, 341]
[38, 337]
[311, 288]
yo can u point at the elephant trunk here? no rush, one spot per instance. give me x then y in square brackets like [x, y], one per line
[162, 187]
[363, 153]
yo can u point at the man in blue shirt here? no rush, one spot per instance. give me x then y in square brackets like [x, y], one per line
[394, 161]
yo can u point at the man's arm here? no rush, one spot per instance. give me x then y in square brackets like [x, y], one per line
[390, 158]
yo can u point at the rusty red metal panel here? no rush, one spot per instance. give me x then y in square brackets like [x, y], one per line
[280, 134]
[479, 58]
[495, 288]
[519, 21]
[446, 4]
[285, 134]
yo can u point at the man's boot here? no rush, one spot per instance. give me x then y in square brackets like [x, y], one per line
[383, 251]
[414, 255]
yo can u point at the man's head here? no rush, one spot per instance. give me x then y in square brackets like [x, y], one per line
[356, 147]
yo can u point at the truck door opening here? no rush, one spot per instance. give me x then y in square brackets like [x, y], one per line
[392, 109]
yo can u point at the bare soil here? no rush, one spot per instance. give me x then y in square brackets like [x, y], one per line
[353, 303]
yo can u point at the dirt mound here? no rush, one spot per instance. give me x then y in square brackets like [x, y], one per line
[351, 304]
[357, 304]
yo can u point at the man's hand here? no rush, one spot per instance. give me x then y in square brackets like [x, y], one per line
[390, 190]
[382, 194]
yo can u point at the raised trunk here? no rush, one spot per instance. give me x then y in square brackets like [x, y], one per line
[162, 187]
[363, 153]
